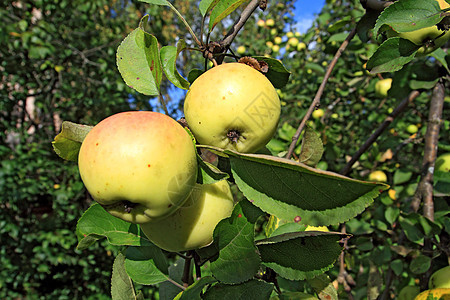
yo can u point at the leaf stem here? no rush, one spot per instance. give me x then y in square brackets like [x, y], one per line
[197, 41]
[316, 101]
[163, 103]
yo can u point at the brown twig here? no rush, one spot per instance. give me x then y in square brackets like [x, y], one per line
[344, 278]
[399, 109]
[319, 93]
[424, 191]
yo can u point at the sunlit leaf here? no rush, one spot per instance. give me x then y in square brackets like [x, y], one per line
[121, 284]
[221, 10]
[169, 56]
[68, 142]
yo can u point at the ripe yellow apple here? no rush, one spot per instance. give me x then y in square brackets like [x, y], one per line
[192, 226]
[440, 278]
[270, 22]
[139, 166]
[443, 163]
[440, 293]
[241, 50]
[293, 41]
[289, 34]
[275, 48]
[318, 113]
[408, 292]
[277, 40]
[421, 37]
[232, 106]
[261, 23]
[378, 176]
[382, 87]
[301, 46]
[269, 44]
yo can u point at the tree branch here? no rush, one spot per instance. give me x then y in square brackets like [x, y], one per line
[397, 111]
[319, 93]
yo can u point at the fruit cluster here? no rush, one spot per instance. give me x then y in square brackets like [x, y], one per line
[142, 166]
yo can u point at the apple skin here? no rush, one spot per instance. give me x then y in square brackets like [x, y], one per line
[232, 106]
[440, 278]
[317, 228]
[192, 226]
[434, 294]
[443, 163]
[318, 113]
[382, 87]
[378, 176]
[143, 160]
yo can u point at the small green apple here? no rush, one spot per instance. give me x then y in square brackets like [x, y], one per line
[378, 176]
[139, 166]
[408, 292]
[412, 128]
[301, 46]
[293, 41]
[241, 50]
[382, 87]
[232, 106]
[273, 31]
[318, 113]
[443, 163]
[440, 278]
[192, 226]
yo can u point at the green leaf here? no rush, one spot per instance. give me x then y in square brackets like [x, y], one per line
[138, 60]
[365, 25]
[409, 15]
[440, 55]
[169, 56]
[206, 5]
[374, 282]
[194, 291]
[301, 255]
[250, 290]
[238, 259]
[208, 173]
[157, 2]
[392, 55]
[397, 266]
[402, 176]
[324, 287]
[96, 223]
[420, 264]
[294, 296]
[391, 214]
[221, 10]
[68, 142]
[121, 284]
[277, 74]
[411, 230]
[312, 148]
[293, 191]
[167, 289]
[146, 264]
[194, 74]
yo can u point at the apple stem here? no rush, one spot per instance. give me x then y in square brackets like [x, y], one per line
[128, 206]
[187, 276]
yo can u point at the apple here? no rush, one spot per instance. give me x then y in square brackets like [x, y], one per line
[301, 46]
[269, 44]
[293, 41]
[232, 106]
[440, 278]
[318, 113]
[277, 40]
[289, 34]
[382, 87]
[378, 176]
[270, 22]
[241, 50]
[261, 23]
[408, 292]
[443, 163]
[412, 128]
[192, 225]
[317, 228]
[275, 48]
[140, 166]
[273, 31]
[439, 293]
[429, 38]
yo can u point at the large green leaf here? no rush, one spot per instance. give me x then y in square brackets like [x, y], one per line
[221, 10]
[277, 73]
[293, 191]
[301, 255]
[250, 290]
[121, 284]
[206, 5]
[194, 291]
[157, 2]
[68, 142]
[96, 223]
[208, 173]
[167, 289]
[409, 15]
[392, 55]
[138, 61]
[169, 56]
[146, 265]
[238, 259]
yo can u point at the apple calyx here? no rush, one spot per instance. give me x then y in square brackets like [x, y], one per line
[234, 135]
[260, 66]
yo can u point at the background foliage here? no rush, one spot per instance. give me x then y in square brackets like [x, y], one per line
[57, 62]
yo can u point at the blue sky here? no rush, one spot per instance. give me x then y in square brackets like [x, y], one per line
[304, 12]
